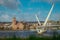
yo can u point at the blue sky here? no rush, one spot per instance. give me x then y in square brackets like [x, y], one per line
[25, 10]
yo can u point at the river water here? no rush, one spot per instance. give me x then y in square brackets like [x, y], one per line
[24, 34]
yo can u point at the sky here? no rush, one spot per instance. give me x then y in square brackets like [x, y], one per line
[25, 10]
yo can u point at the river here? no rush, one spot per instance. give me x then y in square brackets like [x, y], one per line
[25, 33]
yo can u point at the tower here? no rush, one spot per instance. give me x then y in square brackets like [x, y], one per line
[14, 23]
[14, 20]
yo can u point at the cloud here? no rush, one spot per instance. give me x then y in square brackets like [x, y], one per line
[30, 8]
[55, 16]
[5, 17]
[19, 10]
[1, 1]
[11, 4]
[49, 1]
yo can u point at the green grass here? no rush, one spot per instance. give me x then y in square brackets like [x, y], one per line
[33, 38]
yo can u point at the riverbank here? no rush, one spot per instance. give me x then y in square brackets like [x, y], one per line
[33, 38]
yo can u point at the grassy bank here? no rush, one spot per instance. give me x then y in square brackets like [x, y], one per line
[33, 38]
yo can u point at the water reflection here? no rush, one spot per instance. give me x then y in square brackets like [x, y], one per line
[25, 33]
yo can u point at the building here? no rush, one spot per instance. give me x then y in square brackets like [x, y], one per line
[17, 25]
